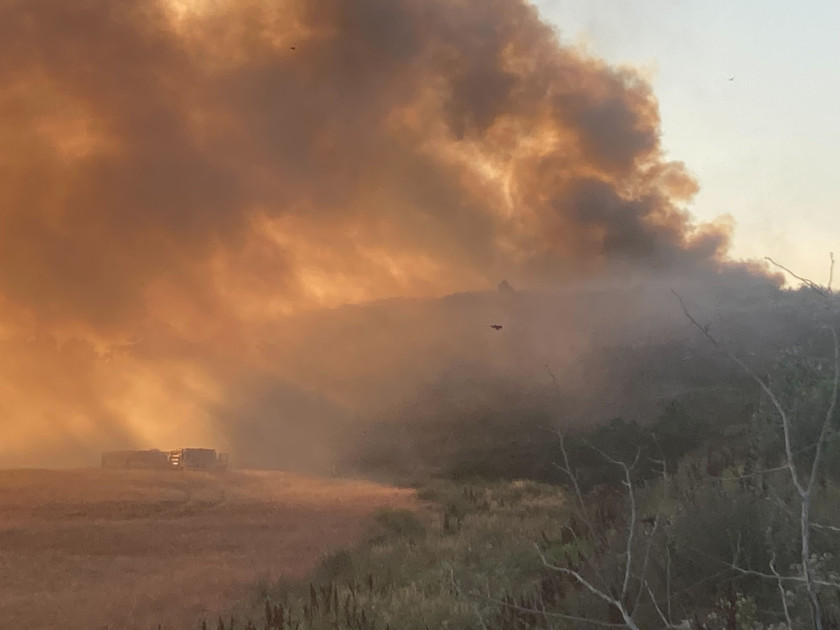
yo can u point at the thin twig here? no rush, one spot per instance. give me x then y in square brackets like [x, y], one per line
[668, 578]
[578, 493]
[831, 528]
[782, 592]
[777, 405]
[781, 505]
[803, 487]
[662, 616]
[616, 603]
[829, 414]
[457, 589]
[645, 560]
[628, 483]
[808, 283]
[757, 473]
[557, 615]
[767, 576]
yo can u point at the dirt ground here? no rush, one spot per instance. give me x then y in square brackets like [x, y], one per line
[126, 550]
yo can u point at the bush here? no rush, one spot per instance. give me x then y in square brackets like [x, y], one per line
[399, 524]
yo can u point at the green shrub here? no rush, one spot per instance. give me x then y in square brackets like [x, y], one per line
[398, 523]
[335, 565]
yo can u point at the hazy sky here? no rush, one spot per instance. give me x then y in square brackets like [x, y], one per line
[762, 146]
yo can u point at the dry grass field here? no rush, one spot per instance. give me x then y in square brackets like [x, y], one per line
[125, 550]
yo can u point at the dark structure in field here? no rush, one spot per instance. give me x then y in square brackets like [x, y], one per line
[178, 459]
[197, 458]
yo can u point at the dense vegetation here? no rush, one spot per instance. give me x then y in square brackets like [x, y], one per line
[652, 368]
[477, 565]
[689, 522]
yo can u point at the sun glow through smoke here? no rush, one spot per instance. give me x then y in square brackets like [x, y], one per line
[189, 184]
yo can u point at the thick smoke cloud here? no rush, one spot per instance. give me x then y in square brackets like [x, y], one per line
[177, 177]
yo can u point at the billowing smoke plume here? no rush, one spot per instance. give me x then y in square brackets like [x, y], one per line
[183, 185]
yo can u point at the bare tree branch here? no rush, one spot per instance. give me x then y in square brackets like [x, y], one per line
[573, 477]
[757, 473]
[829, 414]
[628, 483]
[665, 620]
[668, 579]
[556, 615]
[782, 592]
[805, 505]
[777, 405]
[781, 505]
[616, 603]
[804, 487]
[457, 590]
[786, 578]
[734, 566]
[808, 283]
[645, 561]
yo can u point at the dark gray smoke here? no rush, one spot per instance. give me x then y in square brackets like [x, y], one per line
[177, 178]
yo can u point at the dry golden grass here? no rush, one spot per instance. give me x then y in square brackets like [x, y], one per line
[127, 550]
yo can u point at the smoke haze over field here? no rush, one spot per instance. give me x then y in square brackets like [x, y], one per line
[186, 186]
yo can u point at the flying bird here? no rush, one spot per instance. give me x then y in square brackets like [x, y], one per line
[496, 326]
[731, 78]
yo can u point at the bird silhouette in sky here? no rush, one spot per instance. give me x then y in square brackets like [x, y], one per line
[496, 326]
[731, 78]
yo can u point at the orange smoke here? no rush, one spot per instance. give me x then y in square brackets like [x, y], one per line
[178, 176]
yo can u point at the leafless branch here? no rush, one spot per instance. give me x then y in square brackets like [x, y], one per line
[645, 561]
[665, 620]
[454, 583]
[617, 603]
[781, 505]
[734, 566]
[632, 527]
[786, 578]
[757, 473]
[612, 601]
[782, 593]
[668, 579]
[829, 439]
[556, 615]
[569, 472]
[652, 534]
[567, 469]
[805, 504]
[804, 487]
[829, 414]
[808, 283]
[777, 405]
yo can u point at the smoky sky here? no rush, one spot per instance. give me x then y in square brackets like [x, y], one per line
[177, 177]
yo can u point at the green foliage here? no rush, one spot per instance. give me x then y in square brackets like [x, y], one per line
[414, 575]
[670, 438]
[334, 566]
[397, 524]
[713, 512]
[748, 513]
